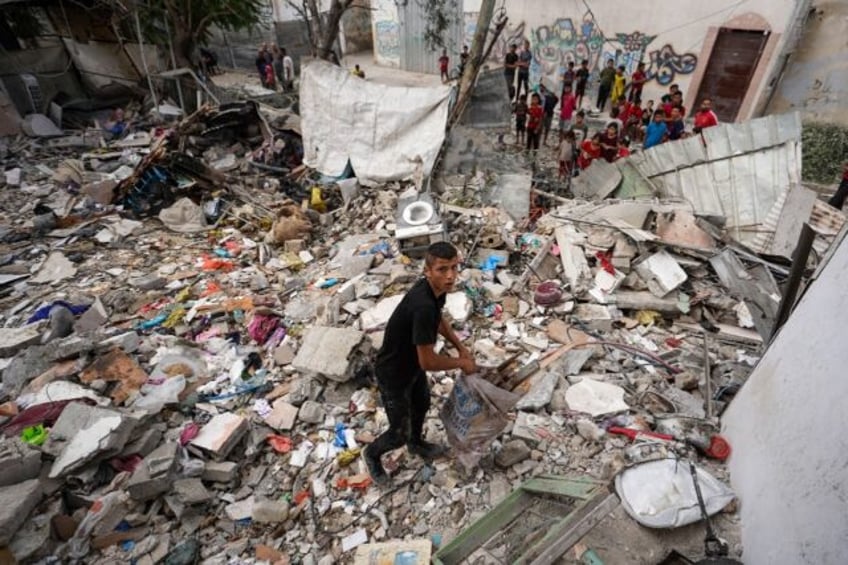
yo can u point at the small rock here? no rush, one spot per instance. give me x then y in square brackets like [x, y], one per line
[589, 431]
[312, 412]
[513, 452]
[270, 511]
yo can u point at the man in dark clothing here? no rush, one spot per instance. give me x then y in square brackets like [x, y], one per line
[838, 199]
[605, 88]
[510, 65]
[525, 58]
[408, 351]
[582, 77]
[549, 102]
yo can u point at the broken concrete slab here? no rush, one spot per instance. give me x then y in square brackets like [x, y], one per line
[459, 306]
[93, 318]
[327, 351]
[377, 317]
[16, 502]
[541, 390]
[191, 491]
[598, 181]
[640, 300]
[18, 461]
[679, 227]
[154, 476]
[84, 433]
[661, 273]
[755, 285]
[530, 426]
[595, 398]
[221, 434]
[55, 268]
[13, 340]
[282, 416]
[267, 511]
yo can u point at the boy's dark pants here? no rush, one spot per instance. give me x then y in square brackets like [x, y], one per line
[838, 199]
[406, 407]
[603, 96]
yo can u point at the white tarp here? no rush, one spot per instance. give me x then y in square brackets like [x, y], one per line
[387, 132]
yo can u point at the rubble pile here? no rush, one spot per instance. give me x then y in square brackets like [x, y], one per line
[187, 352]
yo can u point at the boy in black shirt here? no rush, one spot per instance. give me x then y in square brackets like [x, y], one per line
[408, 351]
[582, 77]
[510, 66]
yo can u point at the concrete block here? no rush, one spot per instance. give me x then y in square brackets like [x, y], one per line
[326, 351]
[149, 439]
[154, 476]
[312, 412]
[191, 491]
[18, 461]
[661, 273]
[220, 471]
[459, 306]
[16, 502]
[595, 316]
[270, 511]
[221, 434]
[282, 416]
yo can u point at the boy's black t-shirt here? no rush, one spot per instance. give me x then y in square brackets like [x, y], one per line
[414, 322]
[511, 59]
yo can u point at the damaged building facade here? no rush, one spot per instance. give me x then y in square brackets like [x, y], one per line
[730, 52]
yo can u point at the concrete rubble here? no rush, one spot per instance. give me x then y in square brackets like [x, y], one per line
[217, 383]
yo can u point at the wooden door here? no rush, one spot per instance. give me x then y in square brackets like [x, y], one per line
[731, 67]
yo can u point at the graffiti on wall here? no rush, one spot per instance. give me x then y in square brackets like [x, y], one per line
[388, 39]
[565, 39]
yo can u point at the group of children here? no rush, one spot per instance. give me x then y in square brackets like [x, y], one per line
[444, 63]
[275, 67]
[628, 119]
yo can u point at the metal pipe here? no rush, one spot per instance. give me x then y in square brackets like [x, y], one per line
[144, 63]
[796, 275]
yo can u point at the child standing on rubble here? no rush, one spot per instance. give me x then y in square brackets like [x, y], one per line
[444, 62]
[535, 115]
[520, 112]
[408, 351]
[567, 146]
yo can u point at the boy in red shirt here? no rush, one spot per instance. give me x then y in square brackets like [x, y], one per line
[444, 61]
[705, 117]
[589, 151]
[637, 81]
[838, 199]
[566, 108]
[534, 122]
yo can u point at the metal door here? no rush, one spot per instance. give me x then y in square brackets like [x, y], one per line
[414, 54]
[731, 67]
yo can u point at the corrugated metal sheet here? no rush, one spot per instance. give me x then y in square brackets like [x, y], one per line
[739, 173]
[414, 54]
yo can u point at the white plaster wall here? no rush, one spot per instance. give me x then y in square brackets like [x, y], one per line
[669, 40]
[386, 27]
[788, 428]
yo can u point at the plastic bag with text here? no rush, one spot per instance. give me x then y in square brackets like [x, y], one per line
[474, 414]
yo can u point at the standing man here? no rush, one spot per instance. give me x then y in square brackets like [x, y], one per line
[582, 75]
[637, 82]
[510, 65]
[705, 117]
[463, 59]
[549, 102]
[606, 78]
[408, 350]
[288, 71]
[524, 60]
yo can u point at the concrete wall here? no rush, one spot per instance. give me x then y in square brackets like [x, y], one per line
[238, 49]
[386, 28]
[816, 78]
[675, 43]
[356, 33]
[50, 64]
[787, 427]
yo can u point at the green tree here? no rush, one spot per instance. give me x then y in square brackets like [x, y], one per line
[189, 23]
